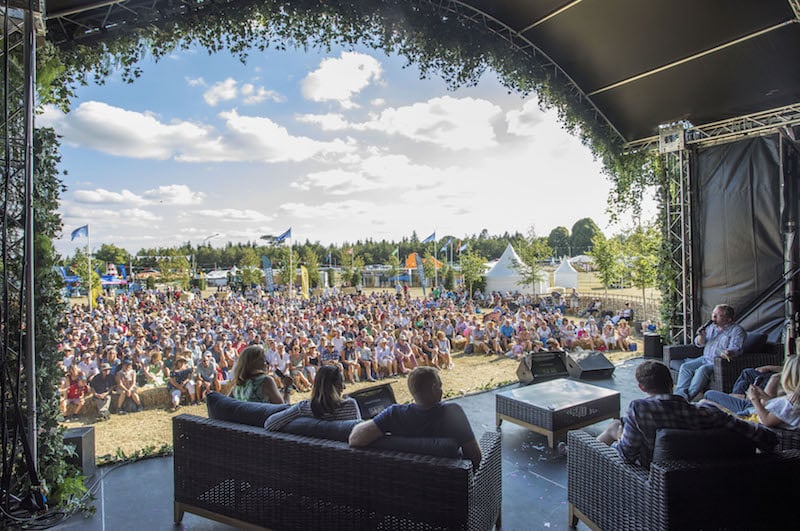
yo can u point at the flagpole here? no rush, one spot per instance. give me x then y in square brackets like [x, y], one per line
[435, 269]
[89, 260]
[291, 269]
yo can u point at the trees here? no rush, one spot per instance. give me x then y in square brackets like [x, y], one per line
[531, 251]
[80, 267]
[113, 254]
[642, 248]
[311, 261]
[582, 233]
[608, 259]
[559, 241]
[472, 268]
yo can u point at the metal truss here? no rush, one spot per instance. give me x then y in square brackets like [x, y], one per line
[678, 204]
[711, 134]
[18, 411]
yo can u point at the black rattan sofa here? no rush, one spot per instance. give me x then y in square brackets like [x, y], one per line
[248, 477]
[720, 490]
[756, 352]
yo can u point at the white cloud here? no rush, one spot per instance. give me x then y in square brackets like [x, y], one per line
[327, 122]
[196, 82]
[524, 121]
[174, 194]
[235, 214]
[104, 217]
[253, 94]
[132, 134]
[378, 102]
[221, 91]
[339, 79]
[100, 195]
[331, 210]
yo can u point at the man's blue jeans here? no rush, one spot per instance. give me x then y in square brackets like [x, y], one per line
[738, 406]
[693, 377]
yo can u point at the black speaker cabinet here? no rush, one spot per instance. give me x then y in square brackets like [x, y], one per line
[373, 400]
[541, 366]
[653, 347]
[589, 364]
[83, 440]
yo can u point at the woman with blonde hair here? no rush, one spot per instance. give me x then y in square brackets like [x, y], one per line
[326, 402]
[251, 383]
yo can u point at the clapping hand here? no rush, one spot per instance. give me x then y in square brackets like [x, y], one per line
[755, 394]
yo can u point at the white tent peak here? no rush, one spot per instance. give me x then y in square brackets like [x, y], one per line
[504, 277]
[565, 267]
[507, 264]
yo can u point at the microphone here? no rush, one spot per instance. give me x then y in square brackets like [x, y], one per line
[279, 374]
[705, 325]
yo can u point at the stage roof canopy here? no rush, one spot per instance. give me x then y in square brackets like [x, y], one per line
[639, 63]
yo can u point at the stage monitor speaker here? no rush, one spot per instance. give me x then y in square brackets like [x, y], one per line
[541, 366]
[653, 347]
[589, 364]
[373, 400]
[83, 440]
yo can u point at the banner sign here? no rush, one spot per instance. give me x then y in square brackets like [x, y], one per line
[304, 281]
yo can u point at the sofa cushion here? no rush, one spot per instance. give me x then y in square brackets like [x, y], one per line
[675, 365]
[754, 342]
[339, 430]
[332, 430]
[221, 407]
[701, 445]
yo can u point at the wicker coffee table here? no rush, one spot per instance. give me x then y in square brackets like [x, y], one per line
[552, 408]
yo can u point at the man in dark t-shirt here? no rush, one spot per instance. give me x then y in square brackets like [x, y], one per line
[428, 416]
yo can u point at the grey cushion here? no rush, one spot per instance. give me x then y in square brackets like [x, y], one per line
[701, 445]
[754, 342]
[221, 407]
[339, 430]
[675, 365]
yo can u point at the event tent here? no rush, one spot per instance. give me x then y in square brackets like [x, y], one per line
[565, 275]
[504, 277]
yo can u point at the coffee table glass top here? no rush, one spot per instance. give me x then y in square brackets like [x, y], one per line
[558, 394]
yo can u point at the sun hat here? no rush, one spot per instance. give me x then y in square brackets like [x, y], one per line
[105, 367]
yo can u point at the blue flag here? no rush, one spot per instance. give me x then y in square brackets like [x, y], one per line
[430, 238]
[444, 247]
[462, 248]
[80, 231]
[287, 234]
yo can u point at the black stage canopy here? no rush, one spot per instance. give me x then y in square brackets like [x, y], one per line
[640, 63]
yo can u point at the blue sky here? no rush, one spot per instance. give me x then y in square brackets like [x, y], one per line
[340, 146]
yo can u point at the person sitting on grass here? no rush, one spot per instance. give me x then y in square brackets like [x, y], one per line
[102, 384]
[326, 402]
[404, 355]
[126, 386]
[386, 360]
[609, 335]
[77, 394]
[180, 382]
[251, 383]
[428, 416]
[623, 335]
[207, 377]
[154, 372]
[445, 350]
[634, 436]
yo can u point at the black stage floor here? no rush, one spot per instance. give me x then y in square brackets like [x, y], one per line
[139, 495]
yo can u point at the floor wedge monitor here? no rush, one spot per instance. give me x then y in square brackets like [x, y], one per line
[589, 364]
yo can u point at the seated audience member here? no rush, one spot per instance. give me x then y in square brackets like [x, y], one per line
[251, 382]
[609, 335]
[430, 350]
[386, 360]
[77, 394]
[773, 411]
[297, 367]
[404, 355]
[207, 377]
[180, 382]
[326, 402]
[443, 344]
[428, 416]
[760, 377]
[635, 435]
[721, 339]
[126, 386]
[368, 362]
[623, 333]
[154, 372]
[102, 384]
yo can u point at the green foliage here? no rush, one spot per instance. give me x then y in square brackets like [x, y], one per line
[532, 251]
[608, 259]
[472, 268]
[311, 262]
[582, 233]
[429, 267]
[449, 279]
[642, 248]
[120, 456]
[80, 266]
[560, 242]
[175, 268]
[111, 253]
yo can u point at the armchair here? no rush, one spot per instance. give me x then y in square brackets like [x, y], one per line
[727, 492]
[756, 352]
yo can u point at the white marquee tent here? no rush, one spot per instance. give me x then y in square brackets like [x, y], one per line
[566, 276]
[504, 277]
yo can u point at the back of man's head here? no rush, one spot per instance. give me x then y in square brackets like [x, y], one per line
[425, 385]
[654, 377]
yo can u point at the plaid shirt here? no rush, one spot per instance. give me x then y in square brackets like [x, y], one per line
[646, 415]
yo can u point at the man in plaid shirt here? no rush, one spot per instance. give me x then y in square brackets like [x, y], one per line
[635, 437]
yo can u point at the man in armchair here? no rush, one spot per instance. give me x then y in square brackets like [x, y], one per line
[719, 338]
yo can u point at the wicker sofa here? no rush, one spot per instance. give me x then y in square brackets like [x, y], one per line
[756, 353]
[248, 477]
[714, 492]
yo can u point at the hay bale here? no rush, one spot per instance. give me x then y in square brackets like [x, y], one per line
[459, 343]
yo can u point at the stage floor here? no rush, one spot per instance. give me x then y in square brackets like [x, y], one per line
[139, 495]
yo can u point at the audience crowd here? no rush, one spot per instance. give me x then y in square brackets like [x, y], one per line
[189, 344]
